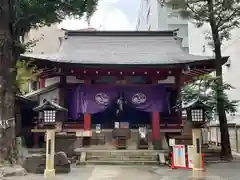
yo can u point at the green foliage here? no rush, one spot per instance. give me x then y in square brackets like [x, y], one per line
[26, 71]
[226, 13]
[37, 13]
[205, 88]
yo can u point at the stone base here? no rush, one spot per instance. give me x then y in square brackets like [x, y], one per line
[49, 173]
[37, 163]
[11, 171]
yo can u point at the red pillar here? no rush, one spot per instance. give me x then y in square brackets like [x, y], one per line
[155, 126]
[155, 122]
[87, 122]
[41, 82]
[87, 117]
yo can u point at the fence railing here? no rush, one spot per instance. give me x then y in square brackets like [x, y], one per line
[214, 135]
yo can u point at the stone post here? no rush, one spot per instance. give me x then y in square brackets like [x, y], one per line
[197, 156]
[50, 151]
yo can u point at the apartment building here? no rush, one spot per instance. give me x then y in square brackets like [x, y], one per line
[154, 15]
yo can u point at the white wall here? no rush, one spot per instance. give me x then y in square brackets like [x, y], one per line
[232, 74]
[54, 80]
[51, 81]
[197, 40]
[47, 39]
[51, 95]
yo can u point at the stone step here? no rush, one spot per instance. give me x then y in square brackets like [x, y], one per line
[130, 156]
[114, 162]
[123, 158]
[116, 155]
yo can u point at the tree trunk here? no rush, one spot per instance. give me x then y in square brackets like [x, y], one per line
[226, 152]
[7, 81]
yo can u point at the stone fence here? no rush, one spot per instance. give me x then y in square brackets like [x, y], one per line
[214, 135]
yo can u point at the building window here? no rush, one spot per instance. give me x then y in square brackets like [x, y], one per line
[148, 14]
[174, 6]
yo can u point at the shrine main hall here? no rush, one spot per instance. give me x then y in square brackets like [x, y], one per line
[110, 80]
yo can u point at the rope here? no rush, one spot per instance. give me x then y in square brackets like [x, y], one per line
[5, 123]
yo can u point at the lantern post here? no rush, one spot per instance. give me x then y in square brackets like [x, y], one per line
[49, 111]
[196, 111]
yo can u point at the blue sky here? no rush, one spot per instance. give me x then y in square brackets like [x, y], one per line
[110, 15]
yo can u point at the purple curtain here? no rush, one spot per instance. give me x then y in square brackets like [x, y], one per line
[91, 99]
[96, 98]
[150, 98]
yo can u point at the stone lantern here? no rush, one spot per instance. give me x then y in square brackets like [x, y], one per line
[196, 111]
[50, 110]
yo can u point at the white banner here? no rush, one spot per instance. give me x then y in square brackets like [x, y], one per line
[190, 150]
[179, 156]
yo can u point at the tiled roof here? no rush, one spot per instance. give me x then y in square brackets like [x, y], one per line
[122, 48]
[41, 91]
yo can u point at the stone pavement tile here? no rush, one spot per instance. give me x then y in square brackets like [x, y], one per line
[221, 171]
[226, 171]
[82, 173]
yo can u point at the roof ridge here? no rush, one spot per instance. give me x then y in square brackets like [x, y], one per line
[166, 33]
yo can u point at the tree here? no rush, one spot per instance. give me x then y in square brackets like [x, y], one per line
[7, 93]
[26, 72]
[37, 13]
[222, 16]
[204, 88]
[17, 17]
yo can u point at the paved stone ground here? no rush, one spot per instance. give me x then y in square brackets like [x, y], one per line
[218, 171]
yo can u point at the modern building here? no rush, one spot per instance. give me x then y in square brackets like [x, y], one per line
[230, 69]
[47, 39]
[154, 15]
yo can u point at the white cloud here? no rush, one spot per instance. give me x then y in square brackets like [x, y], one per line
[107, 17]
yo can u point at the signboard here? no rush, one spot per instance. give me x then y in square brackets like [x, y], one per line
[124, 125]
[98, 128]
[179, 156]
[116, 124]
[143, 132]
[190, 150]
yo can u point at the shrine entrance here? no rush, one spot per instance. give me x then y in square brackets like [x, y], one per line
[134, 117]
